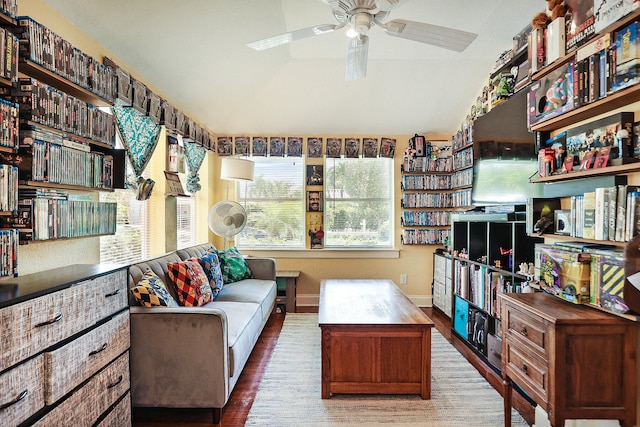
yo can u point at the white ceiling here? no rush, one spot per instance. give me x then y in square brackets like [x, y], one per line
[194, 51]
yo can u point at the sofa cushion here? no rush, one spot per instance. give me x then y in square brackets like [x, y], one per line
[151, 292]
[211, 266]
[191, 282]
[234, 266]
[244, 325]
[258, 291]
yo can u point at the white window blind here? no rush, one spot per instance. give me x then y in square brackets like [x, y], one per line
[358, 209]
[131, 242]
[186, 221]
[275, 204]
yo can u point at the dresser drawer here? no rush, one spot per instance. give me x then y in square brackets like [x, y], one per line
[529, 329]
[526, 370]
[107, 294]
[21, 392]
[87, 404]
[31, 326]
[120, 416]
[71, 364]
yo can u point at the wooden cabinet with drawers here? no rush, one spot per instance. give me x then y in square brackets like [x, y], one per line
[575, 362]
[64, 358]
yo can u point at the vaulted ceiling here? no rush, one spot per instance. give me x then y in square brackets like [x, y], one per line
[195, 52]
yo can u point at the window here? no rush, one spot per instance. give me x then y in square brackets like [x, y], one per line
[130, 243]
[275, 205]
[358, 205]
[185, 222]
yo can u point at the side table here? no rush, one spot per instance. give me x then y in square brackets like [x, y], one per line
[291, 278]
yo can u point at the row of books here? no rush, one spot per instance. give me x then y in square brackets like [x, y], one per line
[67, 163]
[9, 7]
[481, 286]
[427, 200]
[46, 105]
[425, 218]
[424, 237]
[8, 55]
[608, 213]
[463, 137]
[427, 164]
[425, 182]
[8, 188]
[9, 122]
[462, 178]
[9, 240]
[463, 158]
[49, 50]
[45, 218]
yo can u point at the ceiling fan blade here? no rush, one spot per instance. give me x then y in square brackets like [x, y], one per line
[292, 36]
[389, 4]
[357, 58]
[436, 35]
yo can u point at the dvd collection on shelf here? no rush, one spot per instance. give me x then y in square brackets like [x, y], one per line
[9, 58]
[9, 240]
[44, 47]
[45, 105]
[9, 7]
[463, 178]
[45, 214]
[426, 164]
[48, 157]
[424, 237]
[425, 218]
[425, 182]
[463, 158]
[9, 123]
[8, 188]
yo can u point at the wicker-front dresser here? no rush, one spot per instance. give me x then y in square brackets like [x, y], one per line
[64, 357]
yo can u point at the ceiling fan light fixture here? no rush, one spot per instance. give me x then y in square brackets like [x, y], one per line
[351, 33]
[357, 58]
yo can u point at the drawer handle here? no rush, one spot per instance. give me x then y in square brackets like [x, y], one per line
[101, 349]
[524, 368]
[49, 322]
[523, 331]
[112, 294]
[118, 381]
[14, 401]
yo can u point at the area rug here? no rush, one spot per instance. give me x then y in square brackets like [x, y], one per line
[289, 394]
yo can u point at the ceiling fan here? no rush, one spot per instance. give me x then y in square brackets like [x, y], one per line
[360, 16]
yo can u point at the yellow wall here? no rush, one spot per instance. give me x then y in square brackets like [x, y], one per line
[414, 261]
[315, 265]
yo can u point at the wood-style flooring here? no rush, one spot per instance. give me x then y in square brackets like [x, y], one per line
[237, 409]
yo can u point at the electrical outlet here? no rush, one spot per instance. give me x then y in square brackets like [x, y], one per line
[403, 279]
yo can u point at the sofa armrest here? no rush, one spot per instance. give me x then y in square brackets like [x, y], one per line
[262, 268]
[180, 351]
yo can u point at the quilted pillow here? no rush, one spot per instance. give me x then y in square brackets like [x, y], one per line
[191, 282]
[211, 266]
[234, 266]
[151, 292]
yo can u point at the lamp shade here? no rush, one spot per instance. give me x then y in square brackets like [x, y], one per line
[234, 169]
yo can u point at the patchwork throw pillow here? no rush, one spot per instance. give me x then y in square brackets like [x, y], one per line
[234, 266]
[151, 292]
[211, 266]
[191, 282]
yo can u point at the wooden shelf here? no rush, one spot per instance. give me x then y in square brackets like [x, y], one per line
[30, 241]
[7, 20]
[427, 227]
[32, 69]
[609, 103]
[405, 172]
[89, 141]
[561, 61]
[517, 59]
[463, 148]
[580, 239]
[609, 170]
[7, 149]
[25, 184]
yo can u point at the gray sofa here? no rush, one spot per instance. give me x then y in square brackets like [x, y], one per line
[191, 357]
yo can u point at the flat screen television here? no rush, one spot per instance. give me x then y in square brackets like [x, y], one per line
[504, 182]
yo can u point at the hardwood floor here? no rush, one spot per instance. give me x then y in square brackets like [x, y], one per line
[237, 409]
